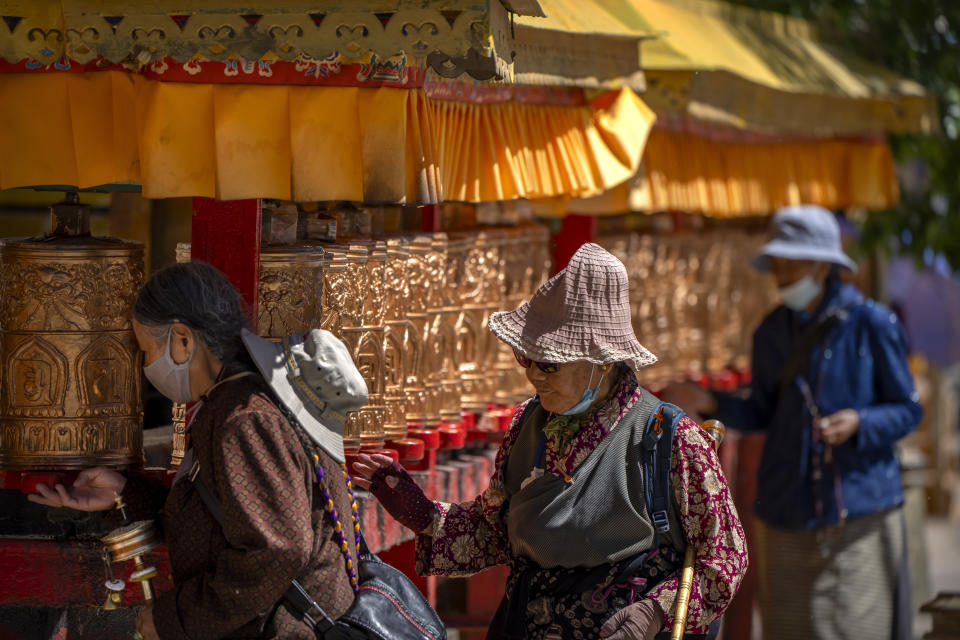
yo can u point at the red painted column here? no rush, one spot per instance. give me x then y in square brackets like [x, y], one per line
[226, 233]
[430, 218]
[576, 231]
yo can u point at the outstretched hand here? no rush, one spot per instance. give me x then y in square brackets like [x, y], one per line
[367, 465]
[396, 490]
[93, 490]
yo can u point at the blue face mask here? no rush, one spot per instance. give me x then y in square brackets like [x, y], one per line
[589, 395]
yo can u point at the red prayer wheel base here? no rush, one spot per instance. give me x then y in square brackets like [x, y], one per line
[409, 449]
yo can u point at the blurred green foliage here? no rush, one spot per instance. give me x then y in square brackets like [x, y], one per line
[917, 39]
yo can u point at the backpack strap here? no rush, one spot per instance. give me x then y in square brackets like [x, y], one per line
[658, 450]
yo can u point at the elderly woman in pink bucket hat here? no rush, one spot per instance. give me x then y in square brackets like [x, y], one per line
[598, 486]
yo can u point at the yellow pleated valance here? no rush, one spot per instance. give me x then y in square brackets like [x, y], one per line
[307, 142]
[687, 172]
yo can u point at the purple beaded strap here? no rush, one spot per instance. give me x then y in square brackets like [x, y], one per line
[332, 510]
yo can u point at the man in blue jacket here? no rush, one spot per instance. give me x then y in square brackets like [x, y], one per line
[833, 392]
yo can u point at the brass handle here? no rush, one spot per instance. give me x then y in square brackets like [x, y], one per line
[716, 430]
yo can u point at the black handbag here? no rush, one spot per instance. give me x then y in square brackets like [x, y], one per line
[388, 605]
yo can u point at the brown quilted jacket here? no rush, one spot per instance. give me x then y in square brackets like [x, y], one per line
[228, 582]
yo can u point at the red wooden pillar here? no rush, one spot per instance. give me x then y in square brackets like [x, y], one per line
[430, 218]
[226, 233]
[576, 231]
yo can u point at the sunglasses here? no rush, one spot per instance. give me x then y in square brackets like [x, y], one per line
[525, 362]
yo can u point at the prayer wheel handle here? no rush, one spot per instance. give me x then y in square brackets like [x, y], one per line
[716, 430]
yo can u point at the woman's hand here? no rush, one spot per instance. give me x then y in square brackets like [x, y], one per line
[93, 490]
[695, 401]
[366, 466]
[145, 626]
[839, 427]
[399, 494]
[641, 620]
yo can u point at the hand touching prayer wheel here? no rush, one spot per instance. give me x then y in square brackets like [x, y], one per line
[70, 396]
[242, 520]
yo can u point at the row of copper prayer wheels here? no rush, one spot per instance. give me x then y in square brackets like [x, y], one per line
[413, 312]
[695, 299]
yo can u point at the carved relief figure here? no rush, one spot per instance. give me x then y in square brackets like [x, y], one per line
[57, 296]
[10, 437]
[91, 437]
[287, 301]
[116, 436]
[335, 293]
[104, 376]
[36, 378]
[35, 437]
[62, 438]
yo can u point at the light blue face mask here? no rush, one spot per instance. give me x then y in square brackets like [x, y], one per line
[589, 395]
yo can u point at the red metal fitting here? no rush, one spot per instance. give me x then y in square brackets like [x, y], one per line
[430, 437]
[452, 435]
[409, 449]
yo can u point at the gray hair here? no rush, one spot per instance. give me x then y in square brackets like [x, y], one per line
[201, 297]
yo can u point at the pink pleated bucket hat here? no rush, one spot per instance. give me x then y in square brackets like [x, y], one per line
[582, 313]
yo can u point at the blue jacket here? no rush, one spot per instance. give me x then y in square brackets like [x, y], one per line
[860, 365]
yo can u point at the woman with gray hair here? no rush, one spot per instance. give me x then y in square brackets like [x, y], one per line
[265, 446]
[597, 489]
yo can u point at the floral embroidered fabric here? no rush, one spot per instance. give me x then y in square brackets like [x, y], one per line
[470, 537]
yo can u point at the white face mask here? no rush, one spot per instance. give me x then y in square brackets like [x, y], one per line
[800, 294]
[171, 379]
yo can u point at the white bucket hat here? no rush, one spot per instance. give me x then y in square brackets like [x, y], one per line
[582, 313]
[803, 232]
[315, 378]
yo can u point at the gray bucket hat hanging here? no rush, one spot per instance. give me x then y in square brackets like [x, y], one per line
[315, 378]
[803, 232]
[582, 313]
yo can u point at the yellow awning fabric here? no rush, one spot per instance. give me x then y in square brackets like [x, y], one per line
[685, 172]
[764, 71]
[308, 143]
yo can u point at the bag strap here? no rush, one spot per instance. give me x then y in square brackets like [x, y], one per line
[658, 452]
[296, 597]
[809, 339]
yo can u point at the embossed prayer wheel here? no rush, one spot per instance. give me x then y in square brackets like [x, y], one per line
[70, 381]
[472, 332]
[504, 366]
[395, 294]
[419, 285]
[435, 338]
[451, 385]
[363, 329]
[290, 290]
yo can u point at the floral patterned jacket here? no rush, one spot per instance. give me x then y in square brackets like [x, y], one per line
[470, 537]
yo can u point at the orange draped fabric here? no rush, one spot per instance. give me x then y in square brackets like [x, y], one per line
[308, 143]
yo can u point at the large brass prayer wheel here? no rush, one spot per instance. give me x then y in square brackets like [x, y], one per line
[290, 290]
[69, 361]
